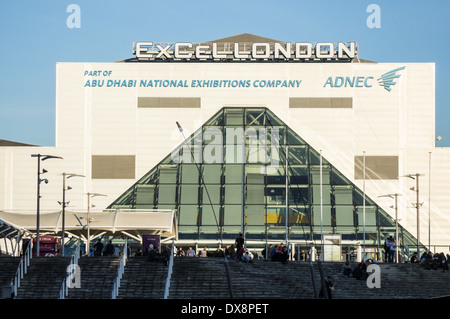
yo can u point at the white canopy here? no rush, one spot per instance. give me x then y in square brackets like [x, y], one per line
[129, 223]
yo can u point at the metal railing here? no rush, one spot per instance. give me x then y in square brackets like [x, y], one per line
[169, 271]
[21, 269]
[64, 288]
[120, 271]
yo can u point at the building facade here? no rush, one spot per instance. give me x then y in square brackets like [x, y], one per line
[329, 140]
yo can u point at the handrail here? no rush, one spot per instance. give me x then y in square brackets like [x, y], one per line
[22, 268]
[169, 271]
[64, 288]
[120, 271]
[227, 270]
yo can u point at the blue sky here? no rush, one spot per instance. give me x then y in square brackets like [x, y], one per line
[34, 37]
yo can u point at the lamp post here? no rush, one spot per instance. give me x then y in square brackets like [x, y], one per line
[65, 175]
[322, 257]
[417, 205]
[394, 196]
[364, 204]
[39, 180]
[88, 219]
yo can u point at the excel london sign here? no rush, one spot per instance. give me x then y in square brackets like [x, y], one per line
[221, 51]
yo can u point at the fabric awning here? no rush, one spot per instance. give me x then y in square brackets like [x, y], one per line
[130, 223]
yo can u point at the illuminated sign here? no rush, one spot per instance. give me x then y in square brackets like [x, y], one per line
[185, 51]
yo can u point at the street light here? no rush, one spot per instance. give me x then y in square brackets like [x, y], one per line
[63, 203]
[89, 196]
[396, 222]
[39, 180]
[417, 205]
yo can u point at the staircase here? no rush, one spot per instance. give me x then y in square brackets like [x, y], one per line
[199, 278]
[43, 279]
[398, 281]
[143, 279]
[8, 268]
[97, 277]
[271, 280]
[206, 278]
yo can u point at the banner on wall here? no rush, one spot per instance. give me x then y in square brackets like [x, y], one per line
[149, 241]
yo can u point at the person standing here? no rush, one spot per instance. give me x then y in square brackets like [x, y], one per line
[392, 248]
[98, 248]
[239, 243]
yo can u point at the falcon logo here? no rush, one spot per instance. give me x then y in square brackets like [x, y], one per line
[388, 79]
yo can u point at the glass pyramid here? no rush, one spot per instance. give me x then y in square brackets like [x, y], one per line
[219, 190]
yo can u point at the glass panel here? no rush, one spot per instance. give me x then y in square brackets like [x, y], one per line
[145, 195]
[255, 117]
[298, 196]
[298, 155]
[213, 135]
[255, 194]
[299, 215]
[298, 175]
[168, 174]
[326, 192]
[167, 194]
[189, 194]
[232, 215]
[211, 215]
[343, 195]
[326, 216]
[212, 174]
[233, 194]
[213, 151]
[234, 154]
[189, 174]
[371, 221]
[315, 174]
[234, 117]
[345, 219]
[233, 173]
[276, 215]
[188, 214]
[255, 170]
[255, 214]
[276, 195]
[211, 194]
[276, 136]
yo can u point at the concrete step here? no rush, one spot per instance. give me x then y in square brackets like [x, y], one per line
[198, 278]
[8, 268]
[97, 277]
[43, 279]
[143, 279]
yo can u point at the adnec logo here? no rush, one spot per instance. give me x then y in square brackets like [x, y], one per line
[386, 80]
